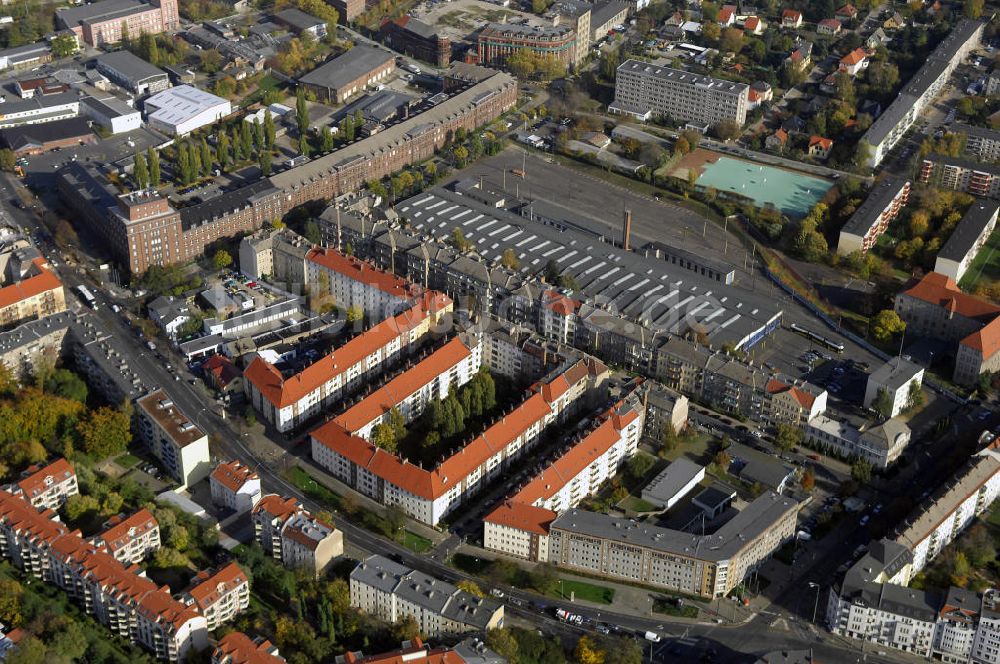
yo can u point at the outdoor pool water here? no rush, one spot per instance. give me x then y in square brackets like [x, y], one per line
[792, 193]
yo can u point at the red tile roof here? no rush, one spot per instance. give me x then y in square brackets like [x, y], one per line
[210, 588]
[559, 303]
[937, 289]
[222, 369]
[830, 23]
[36, 484]
[277, 507]
[848, 10]
[854, 57]
[522, 516]
[824, 143]
[238, 648]
[282, 392]
[384, 399]
[781, 135]
[726, 13]
[363, 272]
[118, 536]
[233, 475]
[791, 13]
[44, 281]
[416, 653]
[430, 484]
[804, 398]
[751, 23]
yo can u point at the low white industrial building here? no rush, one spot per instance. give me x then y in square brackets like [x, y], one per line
[179, 111]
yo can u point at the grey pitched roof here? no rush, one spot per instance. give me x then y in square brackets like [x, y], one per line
[348, 67]
[878, 198]
[969, 229]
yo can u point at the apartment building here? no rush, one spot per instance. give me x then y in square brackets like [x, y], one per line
[392, 592]
[47, 487]
[269, 517]
[30, 290]
[498, 41]
[880, 445]
[644, 91]
[870, 220]
[935, 307]
[352, 282]
[220, 596]
[664, 407]
[238, 648]
[887, 130]
[980, 143]
[109, 21]
[310, 544]
[896, 378]
[173, 438]
[703, 565]
[448, 367]
[592, 458]
[478, 96]
[416, 39]
[969, 236]
[235, 486]
[960, 174]
[119, 597]
[288, 402]
[279, 257]
[792, 403]
[130, 539]
[947, 512]
[429, 494]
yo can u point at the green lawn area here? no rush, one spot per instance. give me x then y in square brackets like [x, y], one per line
[986, 266]
[590, 592]
[638, 504]
[312, 488]
[127, 460]
[669, 607]
[415, 542]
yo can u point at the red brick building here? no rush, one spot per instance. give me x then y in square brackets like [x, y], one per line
[416, 39]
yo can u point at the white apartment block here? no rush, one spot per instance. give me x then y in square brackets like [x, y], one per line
[895, 378]
[644, 90]
[872, 218]
[287, 403]
[308, 543]
[963, 245]
[703, 565]
[221, 596]
[558, 317]
[429, 494]
[124, 601]
[269, 516]
[352, 282]
[449, 367]
[392, 592]
[132, 539]
[234, 486]
[980, 142]
[947, 514]
[883, 135]
[173, 438]
[48, 487]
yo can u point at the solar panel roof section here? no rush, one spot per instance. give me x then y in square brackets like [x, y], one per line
[645, 289]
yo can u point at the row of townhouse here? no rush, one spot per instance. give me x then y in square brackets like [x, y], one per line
[394, 592]
[119, 597]
[289, 533]
[590, 459]
[872, 603]
[428, 495]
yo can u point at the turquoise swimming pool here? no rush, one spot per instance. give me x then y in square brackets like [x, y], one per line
[792, 193]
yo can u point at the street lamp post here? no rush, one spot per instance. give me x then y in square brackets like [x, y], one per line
[815, 586]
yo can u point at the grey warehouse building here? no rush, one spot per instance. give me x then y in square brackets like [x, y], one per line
[132, 73]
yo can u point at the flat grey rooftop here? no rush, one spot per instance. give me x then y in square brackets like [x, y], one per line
[348, 67]
[969, 229]
[879, 197]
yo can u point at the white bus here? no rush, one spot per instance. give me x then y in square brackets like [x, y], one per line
[87, 296]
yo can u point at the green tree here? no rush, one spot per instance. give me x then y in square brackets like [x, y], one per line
[301, 110]
[326, 139]
[304, 147]
[882, 404]
[265, 162]
[354, 314]
[587, 651]
[722, 460]
[223, 149]
[458, 240]
[886, 325]
[974, 8]
[461, 155]
[8, 160]
[153, 162]
[140, 172]
[788, 436]
[346, 130]
[470, 587]
[384, 436]
[79, 506]
[914, 396]
[11, 595]
[66, 384]
[206, 158]
[64, 45]
[960, 570]
[222, 259]
[105, 432]
[502, 642]
[861, 471]
[269, 130]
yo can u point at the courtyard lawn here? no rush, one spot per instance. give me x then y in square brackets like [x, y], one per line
[589, 592]
[305, 483]
[986, 266]
[416, 543]
[127, 460]
[669, 607]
